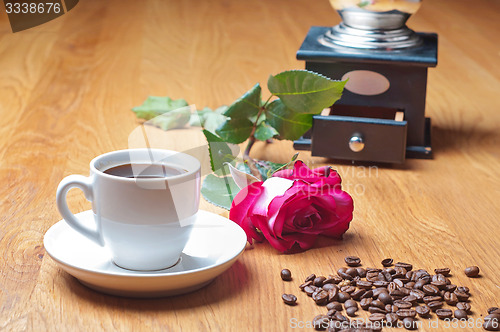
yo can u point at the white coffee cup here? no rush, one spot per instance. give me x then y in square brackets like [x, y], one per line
[144, 222]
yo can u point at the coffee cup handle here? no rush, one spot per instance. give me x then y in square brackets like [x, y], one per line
[85, 184]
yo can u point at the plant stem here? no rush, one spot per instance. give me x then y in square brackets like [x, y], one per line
[267, 101]
[251, 141]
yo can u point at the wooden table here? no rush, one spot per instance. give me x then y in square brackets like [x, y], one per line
[66, 89]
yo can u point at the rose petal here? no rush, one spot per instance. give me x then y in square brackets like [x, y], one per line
[300, 171]
[273, 187]
[241, 206]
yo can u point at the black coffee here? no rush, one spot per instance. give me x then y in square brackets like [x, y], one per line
[144, 171]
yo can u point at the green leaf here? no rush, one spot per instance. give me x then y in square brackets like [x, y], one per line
[198, 118]
[220, 152]
[173, 119]
[219, 191]
[235, 130]
[264, 132]
[263, 166]
[213, 121]
[304, 91]
[154, 106]
[289, 124]
[247, 105]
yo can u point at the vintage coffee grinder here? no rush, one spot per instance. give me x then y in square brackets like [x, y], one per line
[381, 115]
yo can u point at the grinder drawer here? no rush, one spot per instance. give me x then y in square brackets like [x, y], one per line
[381, 137]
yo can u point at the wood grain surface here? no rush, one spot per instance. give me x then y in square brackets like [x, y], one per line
[66, 89]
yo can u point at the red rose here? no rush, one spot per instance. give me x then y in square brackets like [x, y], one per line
[294, 206]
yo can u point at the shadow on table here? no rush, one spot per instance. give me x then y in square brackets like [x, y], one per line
[464, 139]
[228, 284]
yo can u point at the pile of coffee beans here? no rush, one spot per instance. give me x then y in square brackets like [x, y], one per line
[395, 295]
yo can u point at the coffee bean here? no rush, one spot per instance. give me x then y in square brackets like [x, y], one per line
[391, 319]
[318, 281]
[440, 284]
[348, 289]
[332, 280]
[418, 294]
[356, 295]
[423, 310]
[376, 310]
[361, 272]
[493, 309]
[463, 289]
[430, 289]
[410, 298]
[305, 284]
[450, 288]
[410, 323]
[286, 275]
[331, 313]
[471, 271]
[394, 308]
[378, 304]
[444, 313]
[406, 266]
[380, 283]
[410, 284]
[289, 299]
[364, 284]
[435, 305]
[428, 299]
[397, 294]
[333, 294]
[387, 275]
[387, 262]
[337, 306]
[464, 306]
[460, 314]
[368, 294]
[351, 311]
[320, 322]
[345, 276]
[444, 271]
[343, 296]
[377, 317]
[309, 290]
[310, 278]
[327, 287]
[420, 283]
[350, 303]
[320, 297]
[403, 313]
[336, 279]
[385, 298]
[462, 296]
[438, 277]
[365, 303]
[388, 308]
[344, 283]
[352, 261]
[491, 325]
[352, 272]
[450, 298]
[340, 317]
[405, 291]
[402, 304]
[492, 316]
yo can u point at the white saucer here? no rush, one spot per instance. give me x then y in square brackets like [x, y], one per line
[214, 245]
